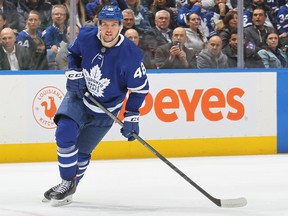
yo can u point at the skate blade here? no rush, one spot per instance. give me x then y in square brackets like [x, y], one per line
[57, 203]
[45, 200]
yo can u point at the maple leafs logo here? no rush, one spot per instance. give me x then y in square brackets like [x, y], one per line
[94, 83]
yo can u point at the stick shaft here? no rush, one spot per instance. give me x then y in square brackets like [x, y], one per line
[155, 152]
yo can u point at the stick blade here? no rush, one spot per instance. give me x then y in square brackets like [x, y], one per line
[233, 203]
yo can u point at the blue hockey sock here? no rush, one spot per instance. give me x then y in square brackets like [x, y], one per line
[67, 151]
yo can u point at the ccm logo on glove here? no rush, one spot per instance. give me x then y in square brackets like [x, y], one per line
[74, 74]
[76, 82]
[130, 125]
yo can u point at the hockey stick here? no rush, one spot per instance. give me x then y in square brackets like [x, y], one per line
[226, 203]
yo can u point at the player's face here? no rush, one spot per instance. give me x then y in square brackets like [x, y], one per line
[109, 30]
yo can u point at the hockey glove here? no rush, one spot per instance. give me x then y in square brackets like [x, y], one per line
[76, 82]
[130, 125]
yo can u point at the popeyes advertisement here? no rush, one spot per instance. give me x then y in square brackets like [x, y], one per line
[178, 106]
[202, 105]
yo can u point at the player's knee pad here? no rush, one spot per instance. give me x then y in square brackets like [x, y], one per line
[66, 132]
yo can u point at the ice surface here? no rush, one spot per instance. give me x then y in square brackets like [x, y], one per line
[148, 187]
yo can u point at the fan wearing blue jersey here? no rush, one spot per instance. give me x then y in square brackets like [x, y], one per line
[104, 63]
[282, 24]
[32, 30]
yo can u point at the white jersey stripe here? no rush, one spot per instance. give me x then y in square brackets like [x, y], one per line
[67, 165]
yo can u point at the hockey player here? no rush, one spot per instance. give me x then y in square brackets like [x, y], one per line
[107, 65]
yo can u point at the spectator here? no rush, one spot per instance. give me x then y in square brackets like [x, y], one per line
[271, 55]
[207, 5]
[133, 35]
[212, 57]
[38, 55]
[25, 37]
[90, 5]
[2, 21]
[192, 6]
[11, 14]
[232, 4]
[129, 22]
[175, 54]
[156, 36]
[220, 8]
[12, 55]
[158, 5]
[270, 14]
[43, 8]
[62, 56]
[282, 25]
[80, 12]
[230, 22]
[255, 34]
[214, 17]
[148, 3]
[196, 39]
[55, 33]
[251, 58]
[140, 13]
[94, 21]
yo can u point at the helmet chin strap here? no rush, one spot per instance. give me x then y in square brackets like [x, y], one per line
[110, 43]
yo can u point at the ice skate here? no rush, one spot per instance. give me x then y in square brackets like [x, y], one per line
[48, 192]
[62, 194]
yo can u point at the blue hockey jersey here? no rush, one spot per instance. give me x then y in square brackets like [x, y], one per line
[282, 19]
[109, 72]
[53, 36]
[24, 39]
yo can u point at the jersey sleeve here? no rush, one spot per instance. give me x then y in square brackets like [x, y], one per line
[48, 37]
[247, 18]
[137, 81]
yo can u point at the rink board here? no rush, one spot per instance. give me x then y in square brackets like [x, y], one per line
[187, 113]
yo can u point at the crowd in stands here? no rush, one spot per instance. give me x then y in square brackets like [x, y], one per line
[35, 34]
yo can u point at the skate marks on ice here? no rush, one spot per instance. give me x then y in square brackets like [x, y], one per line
[147, 187]
[15, 212]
